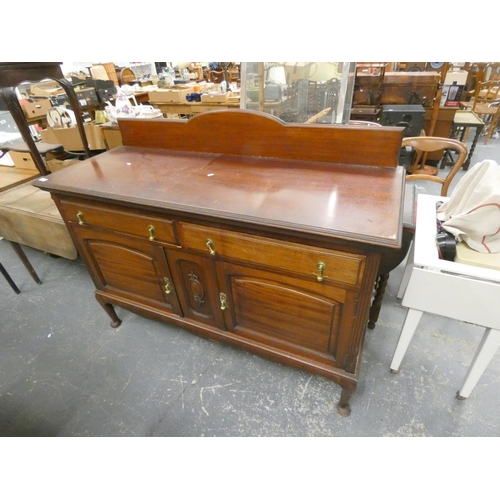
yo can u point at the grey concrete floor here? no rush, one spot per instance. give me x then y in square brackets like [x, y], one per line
[65, 372]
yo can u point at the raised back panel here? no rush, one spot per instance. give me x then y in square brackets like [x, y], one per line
[250, 133]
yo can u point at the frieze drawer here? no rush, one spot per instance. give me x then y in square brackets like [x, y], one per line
[124, 220]
[321, 264]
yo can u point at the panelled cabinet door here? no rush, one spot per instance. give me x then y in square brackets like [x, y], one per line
[195, 282]
[292, 315]
[129, 267]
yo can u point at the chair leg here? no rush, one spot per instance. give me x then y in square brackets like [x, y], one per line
[9, 279]
[410, 325]
[24, 259]
[491, 128]
[486, 350]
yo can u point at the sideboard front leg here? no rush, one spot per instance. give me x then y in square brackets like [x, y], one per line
[110, 310]
[343, 407]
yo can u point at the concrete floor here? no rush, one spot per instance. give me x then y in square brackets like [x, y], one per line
[65, 372]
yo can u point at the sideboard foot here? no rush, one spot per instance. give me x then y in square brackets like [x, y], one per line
[110, 310]
[343, 407]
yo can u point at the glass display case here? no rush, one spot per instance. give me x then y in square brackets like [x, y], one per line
[299, 92]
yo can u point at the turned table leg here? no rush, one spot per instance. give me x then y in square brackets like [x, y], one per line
[377, 301]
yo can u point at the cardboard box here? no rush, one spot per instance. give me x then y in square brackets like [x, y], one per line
[172, 94]
[215, 97]
[37, 109]
[55, 164]
[87, 97]
[70, 139]
[23, 160]
[453, 87]
[46, 88]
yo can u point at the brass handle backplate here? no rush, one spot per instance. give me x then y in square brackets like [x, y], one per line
[321, 268]
[223, 301]
[210, 245]
[80, 218]
[168, 287]
[151, 230]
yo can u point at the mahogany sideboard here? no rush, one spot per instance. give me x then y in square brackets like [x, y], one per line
[242, 229]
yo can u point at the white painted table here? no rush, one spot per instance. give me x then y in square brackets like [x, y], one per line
[460, 291]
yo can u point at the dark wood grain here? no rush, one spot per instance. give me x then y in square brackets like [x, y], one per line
[361, 204]
[249, 133]
[266, 236]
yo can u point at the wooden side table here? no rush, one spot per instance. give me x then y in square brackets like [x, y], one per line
[455, 290]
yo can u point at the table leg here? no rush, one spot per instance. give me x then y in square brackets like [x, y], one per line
[466, 164]
[9, 279]
[410, 325]
[27, 264]
[486, 350]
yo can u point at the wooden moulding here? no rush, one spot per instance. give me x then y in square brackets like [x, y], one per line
[266, 136]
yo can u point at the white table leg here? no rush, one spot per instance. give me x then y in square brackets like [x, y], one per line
[410, 325]
[407, 271]
[486, 350]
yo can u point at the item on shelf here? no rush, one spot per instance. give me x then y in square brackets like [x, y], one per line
[61, 117]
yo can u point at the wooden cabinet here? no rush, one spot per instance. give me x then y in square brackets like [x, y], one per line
[275, 253]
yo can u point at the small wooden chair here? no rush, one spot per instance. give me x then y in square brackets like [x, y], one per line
[486, 104]
[422, 145]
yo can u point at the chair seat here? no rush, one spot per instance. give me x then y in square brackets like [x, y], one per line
[30, 217]
[485, 109]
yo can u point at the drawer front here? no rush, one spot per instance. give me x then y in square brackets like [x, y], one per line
[322, 264]
[124, 220]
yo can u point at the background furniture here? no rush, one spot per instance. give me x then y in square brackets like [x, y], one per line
[28, 216]
[486, 104]
[459, 291]
[243, 229]
[463, 121]
[12, 75]
[27, 264]
[423, 145]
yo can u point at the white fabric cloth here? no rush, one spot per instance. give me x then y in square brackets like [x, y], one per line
[472, 212]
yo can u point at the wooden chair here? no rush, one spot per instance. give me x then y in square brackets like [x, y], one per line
[486, 104]
[422, 145]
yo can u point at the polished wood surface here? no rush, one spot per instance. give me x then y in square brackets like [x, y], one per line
[242, 241]
[338, 201]
[250, 133]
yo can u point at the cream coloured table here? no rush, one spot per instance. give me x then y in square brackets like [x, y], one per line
[467, 292]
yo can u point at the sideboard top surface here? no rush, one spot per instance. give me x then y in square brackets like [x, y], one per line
[357, 203]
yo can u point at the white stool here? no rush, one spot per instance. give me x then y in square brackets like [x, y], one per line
[466, 290]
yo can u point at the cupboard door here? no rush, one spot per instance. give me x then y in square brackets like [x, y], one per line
[307, 318]
[196, 284]
[130, 268]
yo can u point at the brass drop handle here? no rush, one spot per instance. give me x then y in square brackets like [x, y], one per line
[151, 230]
[80, 218]
[168, 287]
[210, 245]
[321, 267]
[223, 301]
